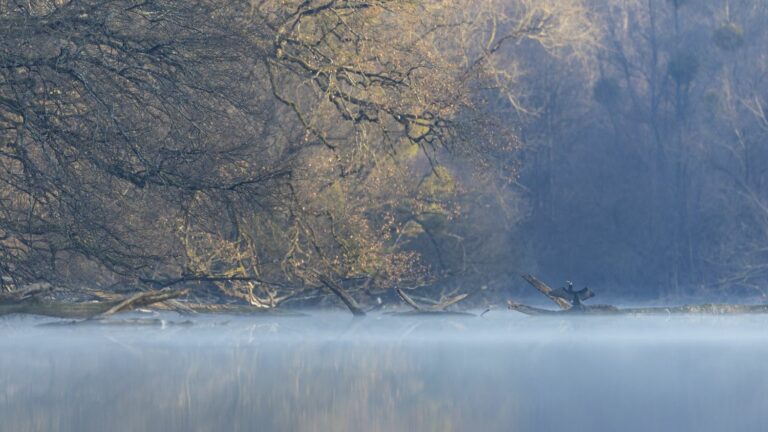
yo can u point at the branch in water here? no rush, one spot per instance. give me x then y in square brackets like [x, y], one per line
[345, 297]
[142, 299]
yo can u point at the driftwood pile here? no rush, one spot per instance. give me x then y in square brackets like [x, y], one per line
[38, 299]
[35, 300]
[574, 306]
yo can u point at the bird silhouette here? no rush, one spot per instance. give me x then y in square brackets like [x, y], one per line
[574, 297]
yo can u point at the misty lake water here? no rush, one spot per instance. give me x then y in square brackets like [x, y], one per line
[329, 372]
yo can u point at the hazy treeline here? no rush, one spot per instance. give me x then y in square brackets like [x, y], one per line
[269, 148]
[653, 177]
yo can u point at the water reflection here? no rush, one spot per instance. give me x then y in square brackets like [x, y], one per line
[333, 373]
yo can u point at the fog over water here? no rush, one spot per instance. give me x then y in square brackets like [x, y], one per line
[503, 372]
[287, 154]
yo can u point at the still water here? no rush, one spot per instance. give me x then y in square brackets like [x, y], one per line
[329, 372]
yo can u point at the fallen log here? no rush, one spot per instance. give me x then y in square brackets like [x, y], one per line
[431, 313]
[142, 299]
[56, 309]
[88, 310]
[708, 308]
[128, 322]
[26, 293]
[567, 308]
[702, 309]
[409, 301]
[586, 310]
[436, 309]
[547, 291]
[239, 309]
[450, 301]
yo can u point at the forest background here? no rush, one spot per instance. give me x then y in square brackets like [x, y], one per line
[269, 150]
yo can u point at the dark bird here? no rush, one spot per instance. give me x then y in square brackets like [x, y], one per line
[574, 297]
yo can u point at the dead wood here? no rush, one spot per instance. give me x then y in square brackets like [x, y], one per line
[705, 309]
[567, 308]
[132, 322]
[450, 301]
[409, 301]
[530, 310]
[586, 310]
[87, 310]
[143, 299]
[239, 309]
[547, 291]
[702, 309]
[83, 310]
[26, 293]
[179, 307]
[437, 308]
[433, 313]
[57, 309]
[345, 297]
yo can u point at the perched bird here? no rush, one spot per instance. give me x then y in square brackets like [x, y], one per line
[574, 297]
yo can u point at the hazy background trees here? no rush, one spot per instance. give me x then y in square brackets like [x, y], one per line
[267, 148]
[648, 180]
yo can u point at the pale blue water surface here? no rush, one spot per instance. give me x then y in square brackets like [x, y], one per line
[330, 372]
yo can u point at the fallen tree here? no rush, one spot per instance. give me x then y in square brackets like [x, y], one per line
[438, 308]
[345, 297]
[570, 307]
[107, 305]
[36, 303]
